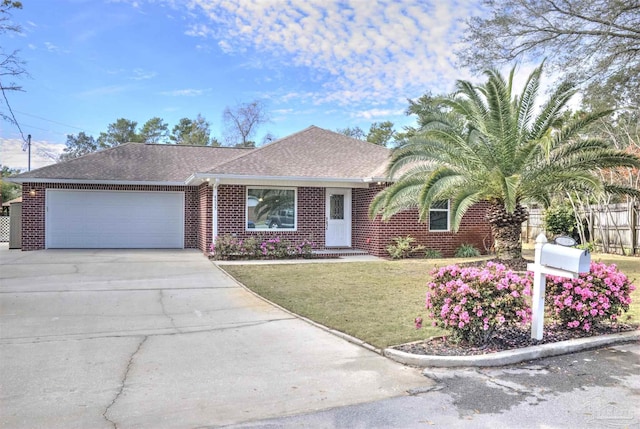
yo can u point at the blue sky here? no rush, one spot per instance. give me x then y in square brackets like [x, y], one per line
[333, 64]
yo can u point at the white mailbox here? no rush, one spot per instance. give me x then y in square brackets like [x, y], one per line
[565, 258]
[553, 260]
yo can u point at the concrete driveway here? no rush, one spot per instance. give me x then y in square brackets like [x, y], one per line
[163, 339]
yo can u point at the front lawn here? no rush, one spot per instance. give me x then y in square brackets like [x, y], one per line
[374, 301]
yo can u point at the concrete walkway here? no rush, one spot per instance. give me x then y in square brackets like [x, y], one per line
[164, 339]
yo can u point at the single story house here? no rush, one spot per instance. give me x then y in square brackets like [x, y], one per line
[315, 184]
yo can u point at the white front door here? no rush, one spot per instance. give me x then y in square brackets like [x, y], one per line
[338, 217]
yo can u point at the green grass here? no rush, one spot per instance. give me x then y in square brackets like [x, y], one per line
[374, 301]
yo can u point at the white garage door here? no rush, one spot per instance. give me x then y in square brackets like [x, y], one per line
[114, 219]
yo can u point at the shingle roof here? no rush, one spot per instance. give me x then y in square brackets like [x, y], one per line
[312, 152]
[136, 162]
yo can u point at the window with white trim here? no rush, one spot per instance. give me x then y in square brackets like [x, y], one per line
[271, 208]
[439, 216]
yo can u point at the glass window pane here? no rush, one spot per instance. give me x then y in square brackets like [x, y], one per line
[438, 220]
[271, 208]
[336, 206]
[439, 216]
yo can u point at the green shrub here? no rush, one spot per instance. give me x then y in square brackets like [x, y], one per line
[467, 251]
[403, 247]
[590, 246]
[559, 220]
[432, 254]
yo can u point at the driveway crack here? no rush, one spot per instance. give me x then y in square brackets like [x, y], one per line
[164, 311]
[123, 382]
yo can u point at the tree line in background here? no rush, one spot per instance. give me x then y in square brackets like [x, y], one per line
[240, 125]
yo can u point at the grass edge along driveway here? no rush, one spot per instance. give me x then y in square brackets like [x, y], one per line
[376, 302]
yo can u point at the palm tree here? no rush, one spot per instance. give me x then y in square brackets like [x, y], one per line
[485, 144]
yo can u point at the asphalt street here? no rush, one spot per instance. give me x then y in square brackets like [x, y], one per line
[591, 389]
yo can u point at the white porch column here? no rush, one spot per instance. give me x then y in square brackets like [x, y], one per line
[214, 209]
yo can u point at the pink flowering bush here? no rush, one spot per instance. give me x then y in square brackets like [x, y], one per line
[473, 302]
[229, 247]
[598, 296]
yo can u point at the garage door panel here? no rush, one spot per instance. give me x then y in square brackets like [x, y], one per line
[114, 219]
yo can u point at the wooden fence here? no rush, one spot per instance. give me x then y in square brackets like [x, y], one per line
[614, 228]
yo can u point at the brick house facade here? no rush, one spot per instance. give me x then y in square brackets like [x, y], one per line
[372, 236]
[213, 186]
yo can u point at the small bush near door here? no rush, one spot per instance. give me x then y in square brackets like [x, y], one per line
[432, 254]
[467, 251]
[402, 247]
[228, 247]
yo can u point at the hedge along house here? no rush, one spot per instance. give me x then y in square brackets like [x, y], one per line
[315, 184]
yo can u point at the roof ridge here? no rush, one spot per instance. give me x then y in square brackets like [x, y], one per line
[289, 136]
[256, 149]
[189, 145]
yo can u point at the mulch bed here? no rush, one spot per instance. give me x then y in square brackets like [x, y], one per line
[508, 338]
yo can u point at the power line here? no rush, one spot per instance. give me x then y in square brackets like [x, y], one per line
[50, 120]
[45, 129]
[15, 121]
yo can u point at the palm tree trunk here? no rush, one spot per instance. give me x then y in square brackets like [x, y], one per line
[506, 229]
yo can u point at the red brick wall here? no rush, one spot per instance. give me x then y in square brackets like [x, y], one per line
[191, 217]
[33, 209]
[310, 216]
[374, 235]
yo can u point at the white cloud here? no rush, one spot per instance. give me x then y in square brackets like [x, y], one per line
[51, 47]
[366, 51]
[225, 46]
[43, 153]
[140, 74]
[103, 90]
[379, 114]
[190, 92]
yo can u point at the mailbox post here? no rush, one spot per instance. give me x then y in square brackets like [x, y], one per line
[556, 261]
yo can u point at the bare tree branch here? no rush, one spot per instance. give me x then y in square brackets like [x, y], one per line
[242, 121]
[596, 42]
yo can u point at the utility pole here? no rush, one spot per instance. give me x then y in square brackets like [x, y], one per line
[29, 152]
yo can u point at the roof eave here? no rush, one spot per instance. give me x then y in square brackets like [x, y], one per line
[92, 181]
[239, 179]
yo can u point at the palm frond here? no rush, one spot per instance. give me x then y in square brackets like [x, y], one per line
[622, 190]
[551, 110]
[570, 130]
[401, 195]
[526, 103]
[438, 187]
[462, 202]
[510, 194]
